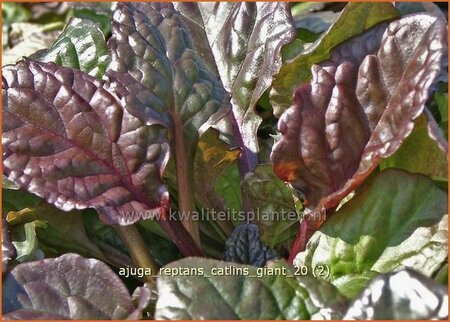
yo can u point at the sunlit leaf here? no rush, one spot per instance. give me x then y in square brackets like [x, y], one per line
[81, 45]
[397, 220]
[405, 295]
[358, 108]
[353, 20]
[243, 296]
[419, 154]
[244, 40]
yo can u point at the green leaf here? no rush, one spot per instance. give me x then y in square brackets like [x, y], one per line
[242, 295]
[354, 19]
[404, 295]
[351, 284]
[81, 45]
[307, 36]
[56, 231]
[8, 184]
[13, 12]
[25, 242]
[101, 233]
[441, 275]
[395, 221]
[276, 217]
[101, 18]
[105, 237]
[15, 200]
[214, 156]
[439, 107]
[228, 185]
[162, 249]
[419, 154]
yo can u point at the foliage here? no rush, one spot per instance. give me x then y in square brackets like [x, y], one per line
[137, 135]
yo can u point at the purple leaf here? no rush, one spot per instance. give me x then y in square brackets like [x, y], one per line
[159, 75]
[245, 41]
[435, 132]
[353, 20]
[142, 297]
[163, 80]
[79, 142]
[68, 287]
[358, 108]
[68, 140]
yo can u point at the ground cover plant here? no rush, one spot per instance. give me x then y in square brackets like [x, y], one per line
[224, 161]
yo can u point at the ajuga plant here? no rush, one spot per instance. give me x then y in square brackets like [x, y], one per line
[224, 161]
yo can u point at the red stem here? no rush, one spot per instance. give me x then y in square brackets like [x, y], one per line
[310, 223]
[177, 232]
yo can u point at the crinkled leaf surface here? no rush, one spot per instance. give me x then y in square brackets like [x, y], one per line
[358, 108]
[353, 20]
[163, 80]
[243, 297]
[69, 141]
[419, 153]
[245, 41]
[160, 75]
[121, 148]
[276, 215]
[244, 246]
[404, 295]
[395, 221]
[81, 45]
[67, 287]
